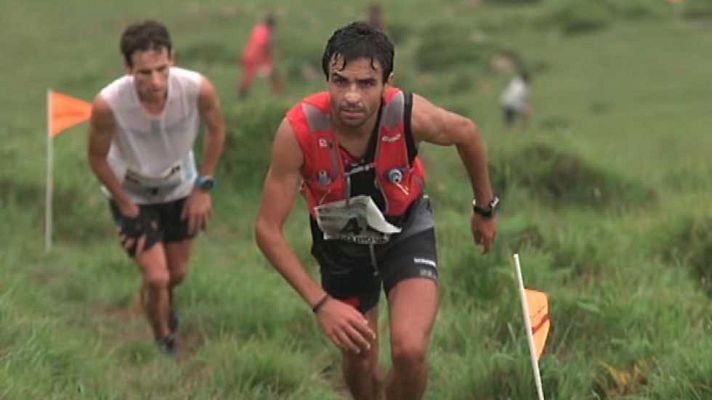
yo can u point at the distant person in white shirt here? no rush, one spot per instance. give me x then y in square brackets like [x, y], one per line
[141, 135]
[515, 101]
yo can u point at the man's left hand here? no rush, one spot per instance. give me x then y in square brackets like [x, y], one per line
[198, 209]
[484, 231]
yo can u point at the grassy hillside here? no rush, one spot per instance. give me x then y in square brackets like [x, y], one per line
[606, 198]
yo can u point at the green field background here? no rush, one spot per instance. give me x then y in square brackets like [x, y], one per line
[606, 197]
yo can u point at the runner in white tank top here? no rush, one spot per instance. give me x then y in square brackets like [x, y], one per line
[141, 137]
[153, 154]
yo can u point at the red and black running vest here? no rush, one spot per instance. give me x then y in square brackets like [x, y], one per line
[399, 178]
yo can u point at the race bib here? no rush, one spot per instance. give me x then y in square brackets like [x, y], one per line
[171, 177]
[357, 220]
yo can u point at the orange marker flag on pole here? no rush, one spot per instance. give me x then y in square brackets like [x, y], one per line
[538, 304]
[63, 112]
[66, 111]
[535, 307]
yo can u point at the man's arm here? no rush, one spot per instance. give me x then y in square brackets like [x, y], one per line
[211, 114]
[436, 125]
[101, 132]
[198, 207]
[343, 324]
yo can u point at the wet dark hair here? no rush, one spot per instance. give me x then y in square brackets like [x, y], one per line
[142, 36]
[359, 40]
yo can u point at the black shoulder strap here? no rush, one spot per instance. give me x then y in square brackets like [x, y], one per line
[407, 113]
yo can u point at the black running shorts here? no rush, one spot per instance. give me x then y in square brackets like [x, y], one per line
[158, 222]
[355, 273]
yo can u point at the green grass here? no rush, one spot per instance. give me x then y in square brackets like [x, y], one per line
[605, 198]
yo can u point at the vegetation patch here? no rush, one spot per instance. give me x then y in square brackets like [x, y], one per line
[512, 2]
[584, 16]
[583, 253]
[248, 143]
[474, 277]
[20, 192]
[207, 53]
[580, 16]
[690, 243]
[399, 31]
[697, 9]
[301, 59]
[561, 178]
[72, 221]
[612, 382]
[437, 48]
[638, 9]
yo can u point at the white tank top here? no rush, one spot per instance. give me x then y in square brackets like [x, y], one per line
[152, 154]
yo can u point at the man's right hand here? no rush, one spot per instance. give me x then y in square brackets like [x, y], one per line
[345, 326]
[129, 209]
[132, 231]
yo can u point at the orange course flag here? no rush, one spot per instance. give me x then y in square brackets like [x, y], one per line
[66, 111]
[538, 304]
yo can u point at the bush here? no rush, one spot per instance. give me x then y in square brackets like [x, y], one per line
[445, 45]
[638, 9]
[208, 53]
[560, 178]
[694, 9]
[513, 2]
[300, 60]
[581, 16]
[399, 31]
[691, 244]
[248, 143]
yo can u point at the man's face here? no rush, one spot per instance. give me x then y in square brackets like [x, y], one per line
[150, 71]
[356, 90]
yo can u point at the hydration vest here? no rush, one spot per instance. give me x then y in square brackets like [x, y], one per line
[400, 178]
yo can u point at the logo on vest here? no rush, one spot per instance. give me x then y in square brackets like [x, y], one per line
[395, 175]
[324, 178]
[391, 139]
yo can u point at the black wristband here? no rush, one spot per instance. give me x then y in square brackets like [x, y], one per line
[321, 302]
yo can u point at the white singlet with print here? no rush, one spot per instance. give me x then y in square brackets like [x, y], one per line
[153, 154]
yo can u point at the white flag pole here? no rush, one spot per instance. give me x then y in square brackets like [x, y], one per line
[49, 185]
[528, 325]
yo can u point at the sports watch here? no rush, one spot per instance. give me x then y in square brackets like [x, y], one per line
[487, 212]
[205, 182]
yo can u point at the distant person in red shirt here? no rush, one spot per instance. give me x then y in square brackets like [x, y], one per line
[257, 58]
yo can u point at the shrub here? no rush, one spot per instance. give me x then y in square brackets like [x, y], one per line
[513, 2]
[560, 178]
[637, 9]
[690, 242]
[208, 53]
[694, 9]
[581, 16]
[445, 45]
[248, 144]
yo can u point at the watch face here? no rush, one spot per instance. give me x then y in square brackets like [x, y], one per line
[486, 211]
[494, 203]
[206, 183]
